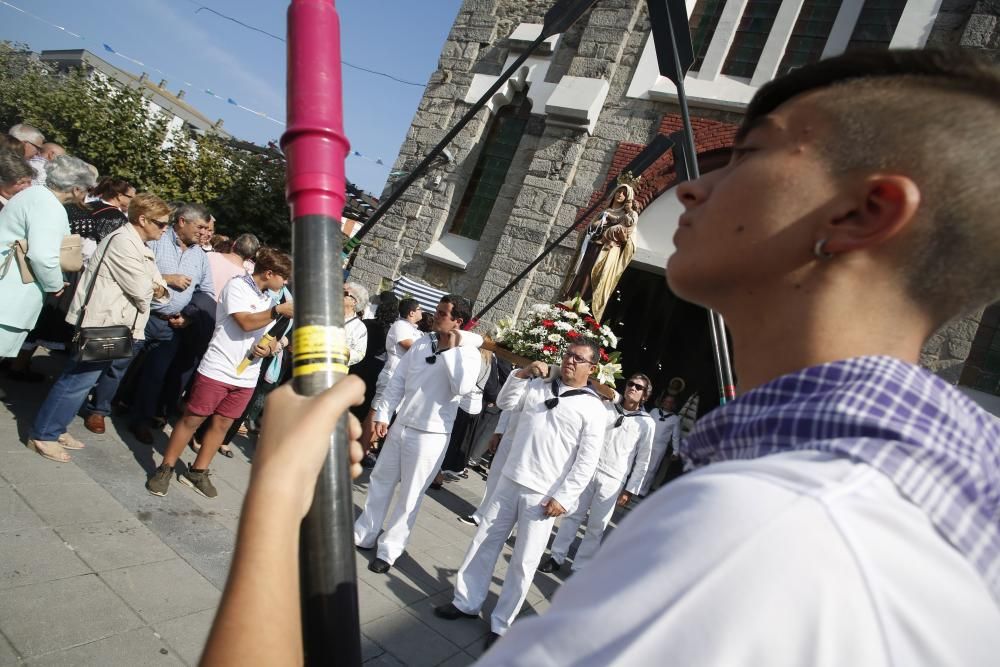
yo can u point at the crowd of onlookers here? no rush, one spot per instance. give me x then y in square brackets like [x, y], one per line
[145, 300]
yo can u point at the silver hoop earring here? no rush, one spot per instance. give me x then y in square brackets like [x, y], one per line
[819, 251]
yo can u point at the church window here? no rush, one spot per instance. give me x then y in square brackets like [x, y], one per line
[876, 24]
[704, 20]
[810, 33]
[751, 36]
[490, 172]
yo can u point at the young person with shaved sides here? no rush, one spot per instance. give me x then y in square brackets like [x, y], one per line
[850, 511]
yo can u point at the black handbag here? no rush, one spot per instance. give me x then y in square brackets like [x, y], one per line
[101, 343]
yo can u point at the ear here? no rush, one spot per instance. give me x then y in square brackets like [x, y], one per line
[884, 206]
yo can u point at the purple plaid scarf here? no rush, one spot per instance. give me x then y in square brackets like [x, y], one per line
[940, 449]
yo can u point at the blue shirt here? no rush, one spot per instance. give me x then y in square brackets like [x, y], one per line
[191, 262]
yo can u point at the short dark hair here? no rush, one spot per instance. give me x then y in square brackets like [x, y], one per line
[407, 306]
[595, 350]
[273, 260]
[110, 187]
[931, 115]
[461, 308]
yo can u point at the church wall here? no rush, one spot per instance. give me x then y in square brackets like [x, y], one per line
[558, 170]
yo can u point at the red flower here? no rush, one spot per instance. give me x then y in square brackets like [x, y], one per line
[591, 322]
[550, 348]
[572, 335]
[548, 324]
[561, 307]
[604, 355]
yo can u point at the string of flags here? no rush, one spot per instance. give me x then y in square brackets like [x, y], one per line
[207, 91]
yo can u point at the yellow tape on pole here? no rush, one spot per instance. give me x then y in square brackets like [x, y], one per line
[319, 349]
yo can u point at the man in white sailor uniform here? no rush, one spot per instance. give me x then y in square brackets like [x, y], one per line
[425, 387]
[552, 458]
[666, 439]
[627, 447]
[505, 428]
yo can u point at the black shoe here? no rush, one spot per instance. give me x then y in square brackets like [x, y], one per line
[379, 566]
[143, 433]
[490, 640]
[361, 548]
[469, 520]
[368, 461]
[450, 612]
[435, 486]
[549, 566]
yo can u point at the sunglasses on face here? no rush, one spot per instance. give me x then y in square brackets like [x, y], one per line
[348, 295]
[162, 224]
[635, 385]
[577, 359]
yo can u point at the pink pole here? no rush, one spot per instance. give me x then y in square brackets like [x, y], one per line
[315, 148]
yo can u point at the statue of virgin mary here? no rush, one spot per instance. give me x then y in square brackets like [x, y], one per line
[607, 248]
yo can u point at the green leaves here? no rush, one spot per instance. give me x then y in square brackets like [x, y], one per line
[118, 131]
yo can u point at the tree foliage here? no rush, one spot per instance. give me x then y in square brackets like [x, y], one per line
[116, 129]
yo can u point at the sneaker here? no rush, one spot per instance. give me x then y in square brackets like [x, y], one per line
[470, 520]
[159, 483]
[451, 475]
[199, 481]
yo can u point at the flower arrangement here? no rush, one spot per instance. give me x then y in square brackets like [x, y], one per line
[550, 329]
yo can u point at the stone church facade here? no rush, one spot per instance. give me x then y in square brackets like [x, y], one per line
[584, 105]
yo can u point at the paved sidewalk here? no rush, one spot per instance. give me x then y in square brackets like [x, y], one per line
[95, 571]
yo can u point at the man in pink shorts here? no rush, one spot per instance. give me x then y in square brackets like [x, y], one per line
[223, 386]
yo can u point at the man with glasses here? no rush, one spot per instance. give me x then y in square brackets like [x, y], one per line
[184, 266]
[553, 456]
[627, 448]
[31, 137]
[427, 384]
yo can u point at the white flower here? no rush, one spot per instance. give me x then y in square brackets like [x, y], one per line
[539, 346]
[554, 338]
[606, 373]
[564, 326]
[504, 329]
[541, 309]
[607, 333]
[571, 316]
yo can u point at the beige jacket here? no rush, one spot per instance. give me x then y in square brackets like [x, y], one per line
[124, 285]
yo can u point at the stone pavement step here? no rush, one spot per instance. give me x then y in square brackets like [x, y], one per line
[94, 570]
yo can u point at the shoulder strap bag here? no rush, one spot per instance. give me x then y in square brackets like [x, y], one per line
[101, 343]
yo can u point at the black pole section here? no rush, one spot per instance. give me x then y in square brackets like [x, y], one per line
[643, 161]
[674, 55]
[558, 19]
[315, 147]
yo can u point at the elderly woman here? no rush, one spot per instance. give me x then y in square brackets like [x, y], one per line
[36, 214]
[125, 280]
[15, 175]
[355, 302]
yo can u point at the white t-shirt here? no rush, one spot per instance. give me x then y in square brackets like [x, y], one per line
[400, 332]
[799, 558]
[230, 343]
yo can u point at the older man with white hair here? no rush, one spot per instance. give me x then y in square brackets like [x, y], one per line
[355, 301]
[31, 137]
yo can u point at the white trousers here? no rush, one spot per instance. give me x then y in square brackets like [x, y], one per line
[511, 504]
[655, 459]
[409, 458]
[599, 498]
[496, 472]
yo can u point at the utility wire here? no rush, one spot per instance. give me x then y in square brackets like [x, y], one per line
[282, 39]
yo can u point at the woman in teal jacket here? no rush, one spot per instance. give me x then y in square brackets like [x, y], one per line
[37, 215]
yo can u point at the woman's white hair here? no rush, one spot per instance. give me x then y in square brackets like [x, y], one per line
[360, 295]
[67, 172]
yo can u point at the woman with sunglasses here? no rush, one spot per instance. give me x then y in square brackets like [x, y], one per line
[125, 279]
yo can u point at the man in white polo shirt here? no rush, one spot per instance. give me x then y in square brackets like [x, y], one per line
[426, 387]
[224, 385]
[552, 459]
[627, 447]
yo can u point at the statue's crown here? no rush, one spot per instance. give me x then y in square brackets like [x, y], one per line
[626, 178]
